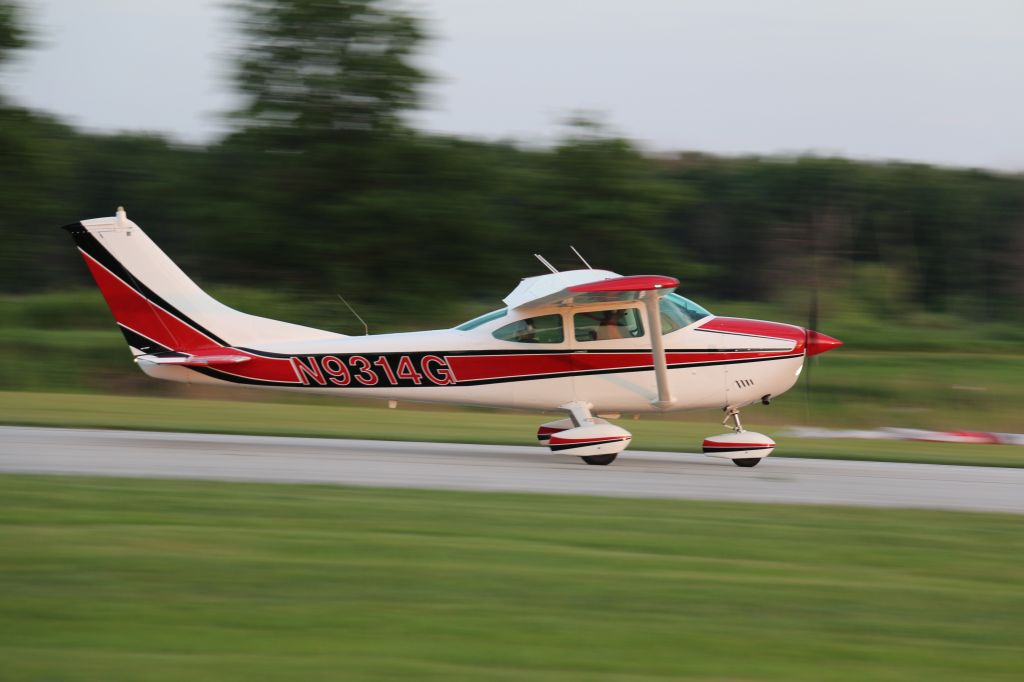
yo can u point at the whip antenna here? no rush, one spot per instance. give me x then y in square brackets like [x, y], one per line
[580, 256]
[366, 327]
[548, 265]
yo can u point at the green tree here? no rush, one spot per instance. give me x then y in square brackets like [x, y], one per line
[323, 71]
[320, 150]
[599, 193]
[33, 170]
[13, 35]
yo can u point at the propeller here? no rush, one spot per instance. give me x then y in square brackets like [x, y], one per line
[812, 317]
[815, 343]
[812, 323]
[810, 330]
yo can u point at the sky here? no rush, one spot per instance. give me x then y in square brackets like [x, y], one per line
[936, 81]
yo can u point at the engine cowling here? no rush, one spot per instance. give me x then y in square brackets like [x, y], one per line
[591, 439]
[742, 445]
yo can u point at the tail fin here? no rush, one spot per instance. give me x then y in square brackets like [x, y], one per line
[157, 306]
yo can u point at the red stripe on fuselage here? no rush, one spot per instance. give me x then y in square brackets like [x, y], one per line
[278, 370]
[600, 361]
[491, 367]
[483, 367]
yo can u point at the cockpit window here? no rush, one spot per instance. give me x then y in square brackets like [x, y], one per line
[606, 325]
[483, 319]
[543, 329]
[678, 312]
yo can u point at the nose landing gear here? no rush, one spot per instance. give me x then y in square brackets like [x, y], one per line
[734, 414]
[744, 448]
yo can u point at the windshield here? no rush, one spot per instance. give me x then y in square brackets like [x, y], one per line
[483, 319]
[678, 312]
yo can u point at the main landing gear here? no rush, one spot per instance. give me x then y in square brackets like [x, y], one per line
[744, 448]
[597, 442]
[590, 438]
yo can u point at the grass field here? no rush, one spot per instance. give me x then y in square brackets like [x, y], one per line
[163, 580]
[336, 419]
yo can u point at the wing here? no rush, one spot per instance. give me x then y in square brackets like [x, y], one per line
[579, 287]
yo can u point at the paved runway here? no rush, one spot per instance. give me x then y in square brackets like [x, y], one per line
[503, 468]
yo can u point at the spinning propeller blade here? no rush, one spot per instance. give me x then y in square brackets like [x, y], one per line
[815, 343]
[809, 331]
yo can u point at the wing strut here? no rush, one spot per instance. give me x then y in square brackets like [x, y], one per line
[651, 300]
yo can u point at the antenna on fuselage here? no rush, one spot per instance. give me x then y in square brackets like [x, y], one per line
[548, 265]
[366, 327]
[580, 255]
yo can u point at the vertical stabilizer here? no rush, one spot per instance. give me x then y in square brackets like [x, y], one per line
[156, 305]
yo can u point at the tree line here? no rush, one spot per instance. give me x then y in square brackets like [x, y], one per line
[322, 187]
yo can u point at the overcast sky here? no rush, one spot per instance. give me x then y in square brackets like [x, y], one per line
[939, 81]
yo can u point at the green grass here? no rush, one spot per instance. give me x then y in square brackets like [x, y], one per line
[335, 418]
[168, 580]
[943, 391]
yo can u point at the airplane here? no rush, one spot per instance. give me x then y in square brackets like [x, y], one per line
[589, 343]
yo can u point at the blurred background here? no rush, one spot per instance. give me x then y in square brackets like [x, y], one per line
[412, 156]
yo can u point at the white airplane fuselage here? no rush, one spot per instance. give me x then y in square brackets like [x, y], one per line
[707, 368]
[586, 342]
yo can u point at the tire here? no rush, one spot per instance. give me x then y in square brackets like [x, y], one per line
[600, 460]
[746, 461]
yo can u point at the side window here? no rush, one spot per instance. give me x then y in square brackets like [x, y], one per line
[543, 329]
[605, 325]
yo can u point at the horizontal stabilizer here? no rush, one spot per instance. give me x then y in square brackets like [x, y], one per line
[194, 359]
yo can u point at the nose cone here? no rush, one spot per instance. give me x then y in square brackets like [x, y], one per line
[818, 343]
